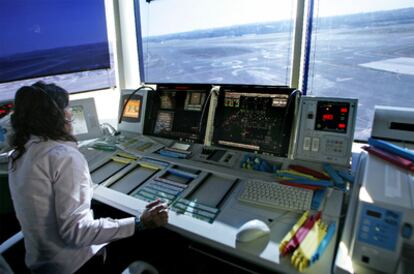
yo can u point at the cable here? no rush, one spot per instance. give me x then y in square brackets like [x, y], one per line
[291, 98]
[53, 102]
[113, 132]
[214, 89]
[129, 98]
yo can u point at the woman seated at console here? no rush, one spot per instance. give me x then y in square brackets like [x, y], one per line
[52, 190]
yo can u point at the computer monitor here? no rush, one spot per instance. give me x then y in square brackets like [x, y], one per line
[254, 118]
[85, 121]
[179, 111]
[132, 110]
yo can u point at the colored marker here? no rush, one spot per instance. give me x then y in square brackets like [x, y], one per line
[324, 243]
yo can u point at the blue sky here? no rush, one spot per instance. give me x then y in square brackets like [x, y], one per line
[170, 16]
[27, 25]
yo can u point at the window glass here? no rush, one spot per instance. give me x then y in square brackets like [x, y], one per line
[363, 50]
[216, 41]
[63, 41]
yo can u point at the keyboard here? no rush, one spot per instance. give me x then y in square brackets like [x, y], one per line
[275, 195]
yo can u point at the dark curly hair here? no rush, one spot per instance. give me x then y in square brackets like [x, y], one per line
[39, 111]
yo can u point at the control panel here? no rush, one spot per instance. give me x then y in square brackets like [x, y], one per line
[379, 226]
[326, 129]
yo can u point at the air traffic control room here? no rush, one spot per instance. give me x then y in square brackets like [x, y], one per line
[208, 136]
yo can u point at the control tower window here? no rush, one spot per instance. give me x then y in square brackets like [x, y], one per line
[216, 41]
[363, 50]
[64, 42]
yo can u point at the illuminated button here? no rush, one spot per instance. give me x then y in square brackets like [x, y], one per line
[315, 144]
[344, 110]
[327, 117]
[306, 143]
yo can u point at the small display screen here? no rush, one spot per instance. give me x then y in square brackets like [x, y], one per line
[164, 122]
[374, 214]
[79, 124]
[332, 116]
[132, 109]
[194, 100]
[167, 100]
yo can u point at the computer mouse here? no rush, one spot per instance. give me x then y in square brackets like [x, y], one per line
[252, 230]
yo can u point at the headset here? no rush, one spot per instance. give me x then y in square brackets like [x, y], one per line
[50, 98]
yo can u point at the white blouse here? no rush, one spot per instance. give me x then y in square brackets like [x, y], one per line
[52, 190]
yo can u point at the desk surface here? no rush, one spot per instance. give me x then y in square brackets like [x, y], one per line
[221, 234]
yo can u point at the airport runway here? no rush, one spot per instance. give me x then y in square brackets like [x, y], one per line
[348, 62]
[336, 67]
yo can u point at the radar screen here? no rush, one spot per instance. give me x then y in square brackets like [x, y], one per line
[179, 112]
[254, 118]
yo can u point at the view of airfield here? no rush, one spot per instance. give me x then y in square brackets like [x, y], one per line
[62, 42]
[91, 64]
[364, 56]
[368, 56]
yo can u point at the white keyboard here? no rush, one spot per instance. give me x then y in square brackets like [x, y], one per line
[275, 195]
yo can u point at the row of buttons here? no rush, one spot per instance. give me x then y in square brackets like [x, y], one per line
[333, 146]
[311, 144]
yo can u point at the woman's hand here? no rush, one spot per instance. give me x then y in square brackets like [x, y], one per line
[154, 215]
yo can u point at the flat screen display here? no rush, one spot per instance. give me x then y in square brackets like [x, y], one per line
[132, 109]
[79, 124]
[254, 118]
[179, 111]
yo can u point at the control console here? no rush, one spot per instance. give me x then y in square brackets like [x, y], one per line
[326, 129]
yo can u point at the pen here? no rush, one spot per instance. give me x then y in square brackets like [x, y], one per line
[302, 256]
[293, 183]
[346, 175]
[309, 171]
[305, 181]
[301, 233]
[335, 177]
[302, 175]
[324, 243]
[292, 232]
[391, 148]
